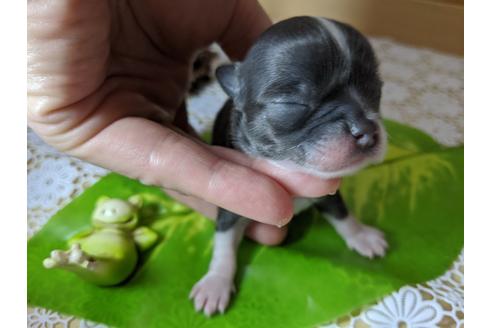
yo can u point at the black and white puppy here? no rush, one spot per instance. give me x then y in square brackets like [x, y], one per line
[306, 98]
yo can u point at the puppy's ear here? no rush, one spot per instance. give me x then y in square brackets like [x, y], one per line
[227, 76]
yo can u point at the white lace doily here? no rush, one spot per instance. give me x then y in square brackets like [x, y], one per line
[422, 88]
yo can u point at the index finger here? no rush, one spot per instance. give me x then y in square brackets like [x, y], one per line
[160, 156]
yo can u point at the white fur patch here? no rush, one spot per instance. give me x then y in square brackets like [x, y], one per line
[365, 240]
[300, 204]
[212, 293]
[285, 165]
[337, 34]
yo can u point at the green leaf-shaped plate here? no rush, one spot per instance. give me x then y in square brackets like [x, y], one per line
[415, 196]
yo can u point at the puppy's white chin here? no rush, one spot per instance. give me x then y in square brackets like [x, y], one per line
[348, 170]
[325, 174]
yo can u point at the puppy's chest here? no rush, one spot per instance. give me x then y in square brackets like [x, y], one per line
[301, 203]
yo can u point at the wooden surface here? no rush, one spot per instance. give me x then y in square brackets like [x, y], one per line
[436, 24]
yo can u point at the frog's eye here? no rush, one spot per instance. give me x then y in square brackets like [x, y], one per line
[113, 211]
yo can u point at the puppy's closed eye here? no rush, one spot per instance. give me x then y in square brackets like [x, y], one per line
[296, 114]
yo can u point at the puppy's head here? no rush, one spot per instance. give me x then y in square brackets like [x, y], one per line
[307, 97]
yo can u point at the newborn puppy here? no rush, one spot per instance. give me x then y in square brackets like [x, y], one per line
[306, 98]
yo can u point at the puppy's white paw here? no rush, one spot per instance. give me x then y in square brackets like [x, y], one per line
[212, 293]
[367, 241]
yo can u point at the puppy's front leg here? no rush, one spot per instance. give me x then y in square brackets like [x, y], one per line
[212, 293]
[365, 240]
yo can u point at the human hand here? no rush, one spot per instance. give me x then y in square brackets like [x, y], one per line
[107, 81]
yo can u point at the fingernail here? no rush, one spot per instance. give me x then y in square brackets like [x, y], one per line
[336, 186]
[283, 222]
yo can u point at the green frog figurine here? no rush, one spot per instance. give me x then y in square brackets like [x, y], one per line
[108, 253]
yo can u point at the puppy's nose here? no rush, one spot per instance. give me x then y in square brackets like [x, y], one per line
[365, 134]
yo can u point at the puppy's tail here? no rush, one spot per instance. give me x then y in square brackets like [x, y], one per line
[202, 72]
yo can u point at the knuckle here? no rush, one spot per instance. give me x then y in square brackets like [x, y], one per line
[218, 170]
